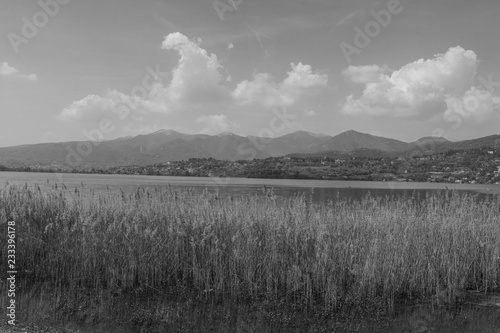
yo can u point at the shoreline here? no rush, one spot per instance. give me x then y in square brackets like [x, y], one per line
[150, 180]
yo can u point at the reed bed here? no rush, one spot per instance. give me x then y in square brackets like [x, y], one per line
[256, 248]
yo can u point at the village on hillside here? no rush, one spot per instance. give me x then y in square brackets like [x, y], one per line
[472, 166]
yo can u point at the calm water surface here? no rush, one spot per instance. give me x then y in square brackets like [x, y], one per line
[321, 191]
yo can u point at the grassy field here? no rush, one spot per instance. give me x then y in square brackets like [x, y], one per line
[185, 242]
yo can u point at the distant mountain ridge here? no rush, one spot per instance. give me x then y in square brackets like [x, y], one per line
[169, 145]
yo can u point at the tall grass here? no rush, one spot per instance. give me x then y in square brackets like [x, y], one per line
[256, 248]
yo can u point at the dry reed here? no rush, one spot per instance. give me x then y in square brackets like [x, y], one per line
[257, 248]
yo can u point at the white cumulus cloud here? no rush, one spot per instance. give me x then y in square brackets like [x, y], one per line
[194, 81]
[113, 104]
[364, 74]
[197, 77]
[8, 70]
[421, 88]
[262, 89]
[197, 86]
[216, 123]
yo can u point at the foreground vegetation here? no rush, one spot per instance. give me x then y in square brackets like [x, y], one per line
[338, 256]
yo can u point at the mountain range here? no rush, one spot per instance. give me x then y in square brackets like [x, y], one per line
[169, 145]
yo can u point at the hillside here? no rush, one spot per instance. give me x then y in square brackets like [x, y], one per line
[168, 145]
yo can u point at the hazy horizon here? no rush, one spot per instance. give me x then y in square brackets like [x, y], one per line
[228, 132]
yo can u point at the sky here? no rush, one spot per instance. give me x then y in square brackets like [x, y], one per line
[99, 70]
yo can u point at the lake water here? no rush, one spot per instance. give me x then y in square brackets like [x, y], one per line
[321, 191]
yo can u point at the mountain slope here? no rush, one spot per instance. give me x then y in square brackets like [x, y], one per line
[298, 142]
[428, 145]
[140, 150]
[352, 140]
[168, 145]
[492, 141]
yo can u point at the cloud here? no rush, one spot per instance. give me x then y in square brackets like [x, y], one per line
[7, 70]
[364, 74]
[197, 78]
[475, 103]
[114, 104]
[263, 90]
[216, 123]
[84, 107]
[195, 86]
[229, 46]
[260, 90]
[419, 89]
[302, 76]
[195, 81]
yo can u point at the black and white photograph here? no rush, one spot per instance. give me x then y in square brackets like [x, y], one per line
[250, 166]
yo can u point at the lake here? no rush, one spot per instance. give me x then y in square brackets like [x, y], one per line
[322, 191]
